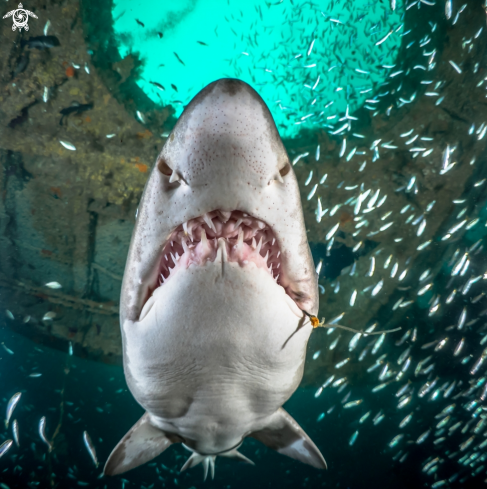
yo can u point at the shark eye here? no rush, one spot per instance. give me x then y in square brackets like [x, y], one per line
[163, 167]
[284, 171]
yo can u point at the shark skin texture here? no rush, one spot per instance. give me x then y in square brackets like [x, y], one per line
[218, 274]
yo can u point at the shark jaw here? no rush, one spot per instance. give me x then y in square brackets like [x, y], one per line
[241, 238]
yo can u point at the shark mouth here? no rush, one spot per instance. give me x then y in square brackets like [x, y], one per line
[195, 242]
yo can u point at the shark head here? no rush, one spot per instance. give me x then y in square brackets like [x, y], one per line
[223, 164]
[218, 275]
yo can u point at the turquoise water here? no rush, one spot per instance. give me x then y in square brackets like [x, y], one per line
[309, 60]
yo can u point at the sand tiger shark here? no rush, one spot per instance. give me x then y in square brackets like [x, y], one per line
[218, 274]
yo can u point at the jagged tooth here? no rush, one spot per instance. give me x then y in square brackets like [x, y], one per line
[204, 241]
[165, 258]
[240, 237]
[239, 221]
[188, 230]
[270, 269]
[185, 246]
[254, 243]
[177, 256]
[273, 241]
[278, 265]
[278, 253]
[173, 259]
[209, 222]
[172, 243]
[162, 278]
[221, 252]
[259, 246]
[277, 276]
[266, 257]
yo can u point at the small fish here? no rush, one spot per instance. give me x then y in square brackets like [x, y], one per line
[41, 42]
[448, 9]
[158, 85]
[406, 420]
[11, 406]
[202, 43]
[68, 145]
[455, 66]
[15, 431]
[174, 87]
[139, 22]
[350, 404]
[423, 436]
[45, 95]
[53, 285]
[42, 432]
[49, 316]
[35, 375]
[90, 447]
[353, 438]
[395, 441]
[75, 108]
[9, 314]
[364, 417]
[178, 58]
[5, 446]
[46, 27]
[160, 34]
[140, 116]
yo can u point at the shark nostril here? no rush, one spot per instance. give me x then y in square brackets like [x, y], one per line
[284, 171]
[163, 167]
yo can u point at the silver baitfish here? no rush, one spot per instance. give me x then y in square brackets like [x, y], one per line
[11, 406]
[15, 431]
[42, 432]
[90, 447]
[5, 446]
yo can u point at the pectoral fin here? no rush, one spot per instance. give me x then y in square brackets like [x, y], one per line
[142, 443]
[285, 436]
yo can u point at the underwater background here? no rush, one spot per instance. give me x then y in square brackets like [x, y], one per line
[382, 107]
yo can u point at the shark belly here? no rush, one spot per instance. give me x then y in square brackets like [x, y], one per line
[220, 363]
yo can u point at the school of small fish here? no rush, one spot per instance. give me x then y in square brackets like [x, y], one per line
[433, 370]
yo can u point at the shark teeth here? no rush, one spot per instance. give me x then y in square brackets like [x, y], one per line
[240, 238]
[209, 222]
[185, 246]
[204, 240]
[259, 246]
[244, 239]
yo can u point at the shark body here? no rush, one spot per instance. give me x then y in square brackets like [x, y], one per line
[217, 277]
